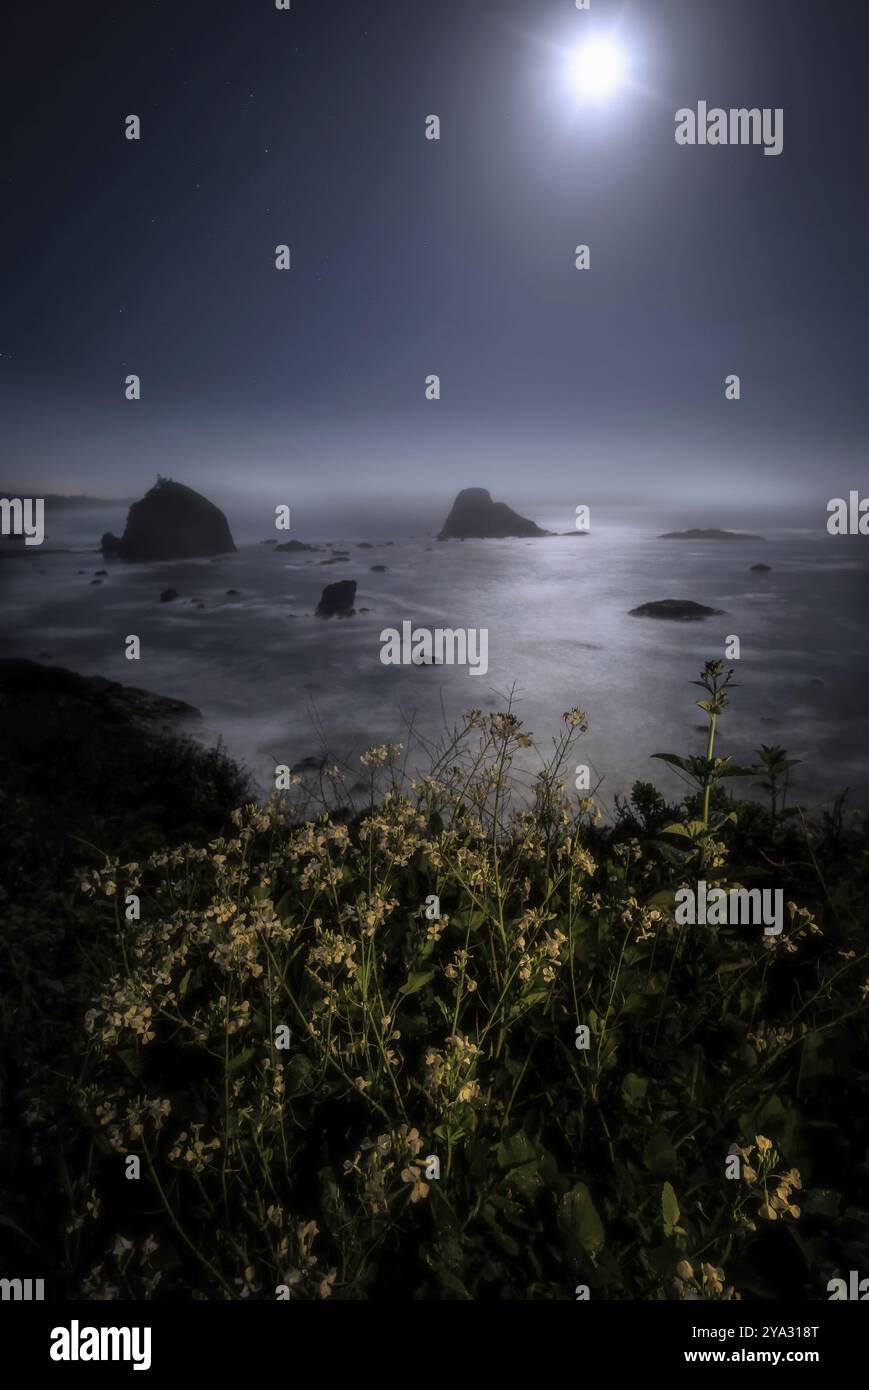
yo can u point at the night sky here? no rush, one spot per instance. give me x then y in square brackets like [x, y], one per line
[411, 257]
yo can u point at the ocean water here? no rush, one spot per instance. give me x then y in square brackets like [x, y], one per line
[279, 685]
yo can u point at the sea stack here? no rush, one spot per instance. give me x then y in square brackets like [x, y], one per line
[171, 522]
[475, 516]
[337, 600]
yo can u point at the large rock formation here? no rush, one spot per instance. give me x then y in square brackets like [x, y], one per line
[171, 522]
[337, 600]
[475, 515]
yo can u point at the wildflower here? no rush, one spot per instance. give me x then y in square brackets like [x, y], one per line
[576, 719]
[159, 1110]
[469, 1091]
[713, 1278]
[306, 1234]
[419, 1189]
[380, 754]
[411, 1139]
[249, 1286]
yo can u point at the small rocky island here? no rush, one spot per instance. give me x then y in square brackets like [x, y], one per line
[682, 610]
[761, 569]
[337, 600]
[708, 533]
[475, 516]
[171, 522]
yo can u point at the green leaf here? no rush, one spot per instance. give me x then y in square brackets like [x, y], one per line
[416, 981]
[579, 1223]
[131, 1060]
[527, 1003]
[285, 905]
[515, 1150]
[666, 897]
[691, 829]
[634, 1088]
[674, 760]
[471, 919]
[669, 1209]
[659, 1155]
[522, 1159]
[240, 1060]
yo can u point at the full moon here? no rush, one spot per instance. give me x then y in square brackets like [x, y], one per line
[596, 68]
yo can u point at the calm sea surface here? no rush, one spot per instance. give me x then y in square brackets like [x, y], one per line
[279, 685]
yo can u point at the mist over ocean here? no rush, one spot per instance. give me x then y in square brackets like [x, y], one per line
[278, 685]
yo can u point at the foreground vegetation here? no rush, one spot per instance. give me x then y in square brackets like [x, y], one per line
[348, 1050]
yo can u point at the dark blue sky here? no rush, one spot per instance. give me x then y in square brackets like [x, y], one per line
[412, 257]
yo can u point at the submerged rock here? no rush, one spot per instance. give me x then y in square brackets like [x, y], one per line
[379, 569]
[760, 569]
[168, 595]
[295, 546]
[475, 515]
[678, 609]
[337, 600]
[171, 522]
